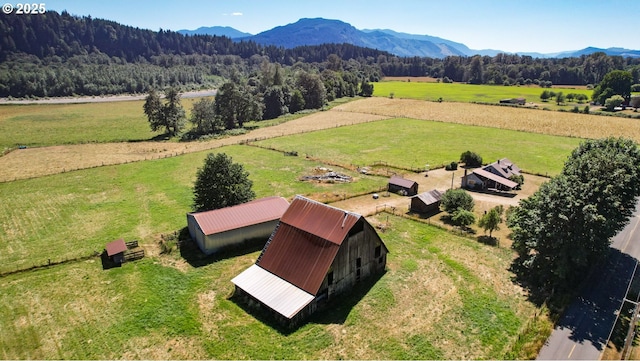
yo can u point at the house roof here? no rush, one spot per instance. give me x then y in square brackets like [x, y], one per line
[241, 215]
[115, 247]
[280, 295]
[505, 167]
[402, 182]
[430, 197]
[496, 178]
[306, 242]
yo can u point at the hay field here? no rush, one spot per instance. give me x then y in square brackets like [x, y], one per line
[521, 119]
[40, 161]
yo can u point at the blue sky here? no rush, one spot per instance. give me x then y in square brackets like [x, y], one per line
[544, 26]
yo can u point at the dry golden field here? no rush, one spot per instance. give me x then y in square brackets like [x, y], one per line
[526, 120]
[35, 162]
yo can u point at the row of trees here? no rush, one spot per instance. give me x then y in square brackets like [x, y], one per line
[62, 55]
[272, 93]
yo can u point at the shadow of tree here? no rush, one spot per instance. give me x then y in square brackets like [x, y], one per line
[590, 310]
[490, 241]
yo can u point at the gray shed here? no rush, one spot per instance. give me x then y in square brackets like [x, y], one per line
[427, 202]
[234, 226]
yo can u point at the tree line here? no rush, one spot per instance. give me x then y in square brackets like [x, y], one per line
[63, 55]
[268, 94]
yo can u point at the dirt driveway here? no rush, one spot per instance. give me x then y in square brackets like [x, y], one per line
[442, 180]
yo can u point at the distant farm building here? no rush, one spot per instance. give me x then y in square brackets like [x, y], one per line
[115, 251]
[518, 101]
[316, 253]
[402, 186]
[427, 202]
[234, 226]
[493, 176]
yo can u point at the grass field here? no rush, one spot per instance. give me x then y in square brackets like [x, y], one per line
[70, 215]
[55, 124]
[412, 143]
[443, 297]
[458, 92]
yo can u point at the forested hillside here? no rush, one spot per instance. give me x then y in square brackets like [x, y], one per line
[62, 55]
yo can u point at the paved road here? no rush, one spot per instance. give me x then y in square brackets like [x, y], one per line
[582, 332]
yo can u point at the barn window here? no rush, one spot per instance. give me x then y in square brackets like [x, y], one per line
[358, 262]
[330, 278]
[377, 252]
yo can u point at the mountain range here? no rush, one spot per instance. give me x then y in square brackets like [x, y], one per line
[316, 31]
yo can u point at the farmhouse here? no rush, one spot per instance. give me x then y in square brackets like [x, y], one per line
[234, 226]
[427, 202]
[316, 253]
[503, 167]
[493, 176]
[403, 186]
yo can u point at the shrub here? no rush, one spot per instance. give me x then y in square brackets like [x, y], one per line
[451, 166]
[613, 102]
[586, 109]
[471, 159]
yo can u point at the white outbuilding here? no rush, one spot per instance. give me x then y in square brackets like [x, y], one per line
[237, 225]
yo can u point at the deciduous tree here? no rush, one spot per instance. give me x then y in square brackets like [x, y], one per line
[455, 199]
[565, 227]
[221, 183]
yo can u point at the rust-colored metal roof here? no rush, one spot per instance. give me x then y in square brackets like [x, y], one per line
[115, 247]
[319, 219]
[241, 215]
[401, 182]
[306, 242]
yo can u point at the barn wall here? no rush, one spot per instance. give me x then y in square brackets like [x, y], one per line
[212, 243]
[195, 231]
[346, 272]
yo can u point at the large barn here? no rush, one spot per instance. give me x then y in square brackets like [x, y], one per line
[316, 253]
[233, 226]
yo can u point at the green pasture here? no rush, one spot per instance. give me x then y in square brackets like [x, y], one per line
[57, 124]
[411, 143]
[458, 92]
[150, 310]
[70, 215]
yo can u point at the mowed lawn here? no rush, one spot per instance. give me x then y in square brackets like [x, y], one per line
[412, 143]
[73, 214]
[458, 92]
[443, 297]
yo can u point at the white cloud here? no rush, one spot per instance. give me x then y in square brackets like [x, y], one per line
[236, 14]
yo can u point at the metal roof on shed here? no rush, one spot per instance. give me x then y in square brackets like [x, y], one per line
[241, 215]
[115, 247]
[278, 294]
[401, 182]
[430, 197]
